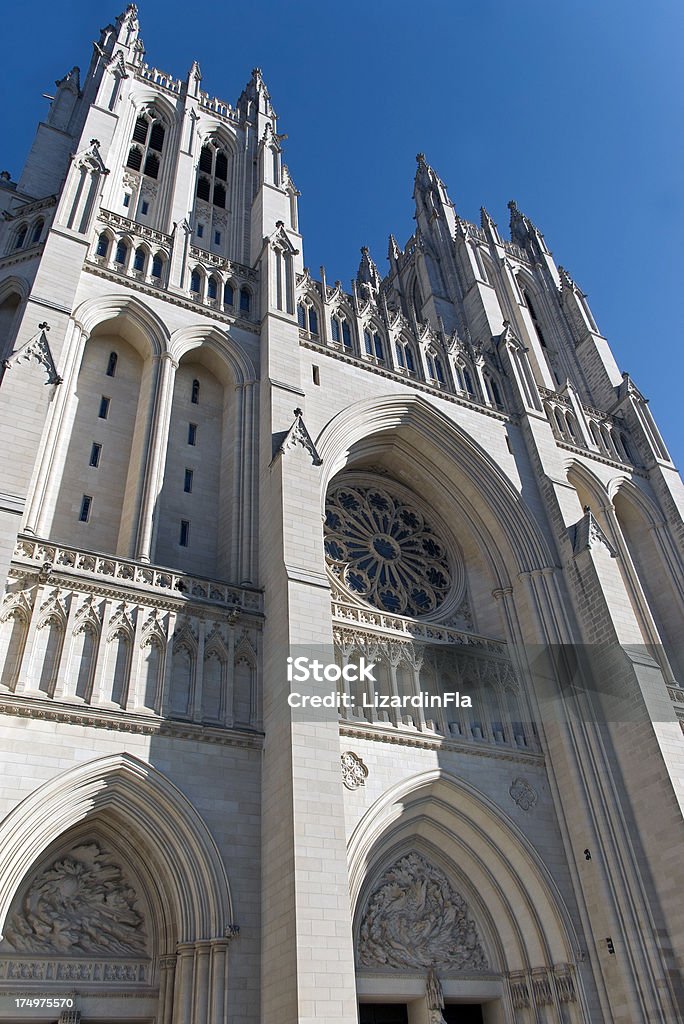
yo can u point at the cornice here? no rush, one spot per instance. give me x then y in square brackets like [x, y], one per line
[125, 721]
[394, 736]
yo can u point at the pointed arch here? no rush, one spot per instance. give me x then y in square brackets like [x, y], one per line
[147, 806]
[128, 311]
[494, 504]
[487, 855]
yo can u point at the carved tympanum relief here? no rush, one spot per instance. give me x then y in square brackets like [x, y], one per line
[83, 904]
[414, 918]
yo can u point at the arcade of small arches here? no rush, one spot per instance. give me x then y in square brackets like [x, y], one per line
[371, 343]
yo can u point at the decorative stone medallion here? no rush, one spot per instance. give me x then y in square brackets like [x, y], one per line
[382, 548]
[354, 771]
[523, 794]
[415, 919]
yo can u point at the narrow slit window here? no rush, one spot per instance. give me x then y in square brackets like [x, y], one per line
[192, 433]
[111, 364]
[127, 199]
[103, 245]
[217, 238]
[194, 395]
[95, 453]
[86, 505]
[104, 408]
[187, 482]
[144, 207]
[316, 375]
[184, 537]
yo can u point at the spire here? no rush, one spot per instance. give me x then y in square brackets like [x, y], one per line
[127, 26]
[367, 277]
[429, 190]
[255, 97]
[193, 80]
[393, 250]
[523, 232]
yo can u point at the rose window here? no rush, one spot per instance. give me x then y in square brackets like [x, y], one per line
[381, 548]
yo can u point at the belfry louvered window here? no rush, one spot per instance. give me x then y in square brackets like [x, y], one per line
[212, 178]
[147, 145]
[212, 175]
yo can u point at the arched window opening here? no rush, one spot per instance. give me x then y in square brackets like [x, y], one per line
[21, 237]
[570, 420]
[212, 288]
[464, 380]
[157, 266]
[135, 157]
[307, 317]
[195, 281]
[157, 136]
[221, 171]
[121, 254]
[435, 368]
[334, 329]
[103, 245]
[245, 300]
[111, 364]
[37, 232]
[152, 166]
[626, 448]
[147, 144]
[205, 161]
[535, 320]
[195, 392]
[373, 345]
[139, 259]
[140, 130]
[213, 175]
[228, 294]
[405, 358]
[493, 392]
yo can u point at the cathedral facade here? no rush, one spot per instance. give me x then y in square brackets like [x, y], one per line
[340, 632]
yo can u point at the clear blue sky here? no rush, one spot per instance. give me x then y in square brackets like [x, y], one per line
[573, 109]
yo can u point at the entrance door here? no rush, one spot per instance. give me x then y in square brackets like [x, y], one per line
[462, 1013]
[383, 1013]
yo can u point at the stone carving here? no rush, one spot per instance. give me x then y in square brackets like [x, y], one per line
[523, 794]
[415, 919]
[37, 348]
[435, 998]
[81, 904]
[299, 435]
[354, 771]
[383, 550]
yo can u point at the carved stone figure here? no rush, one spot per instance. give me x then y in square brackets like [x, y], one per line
[415, 918]
[80, 904]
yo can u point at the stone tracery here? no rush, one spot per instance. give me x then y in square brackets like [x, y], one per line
[383, 549]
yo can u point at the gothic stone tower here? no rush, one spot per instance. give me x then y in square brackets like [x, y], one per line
[215, 461]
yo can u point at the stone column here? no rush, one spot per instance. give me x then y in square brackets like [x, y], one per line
[156, 459]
